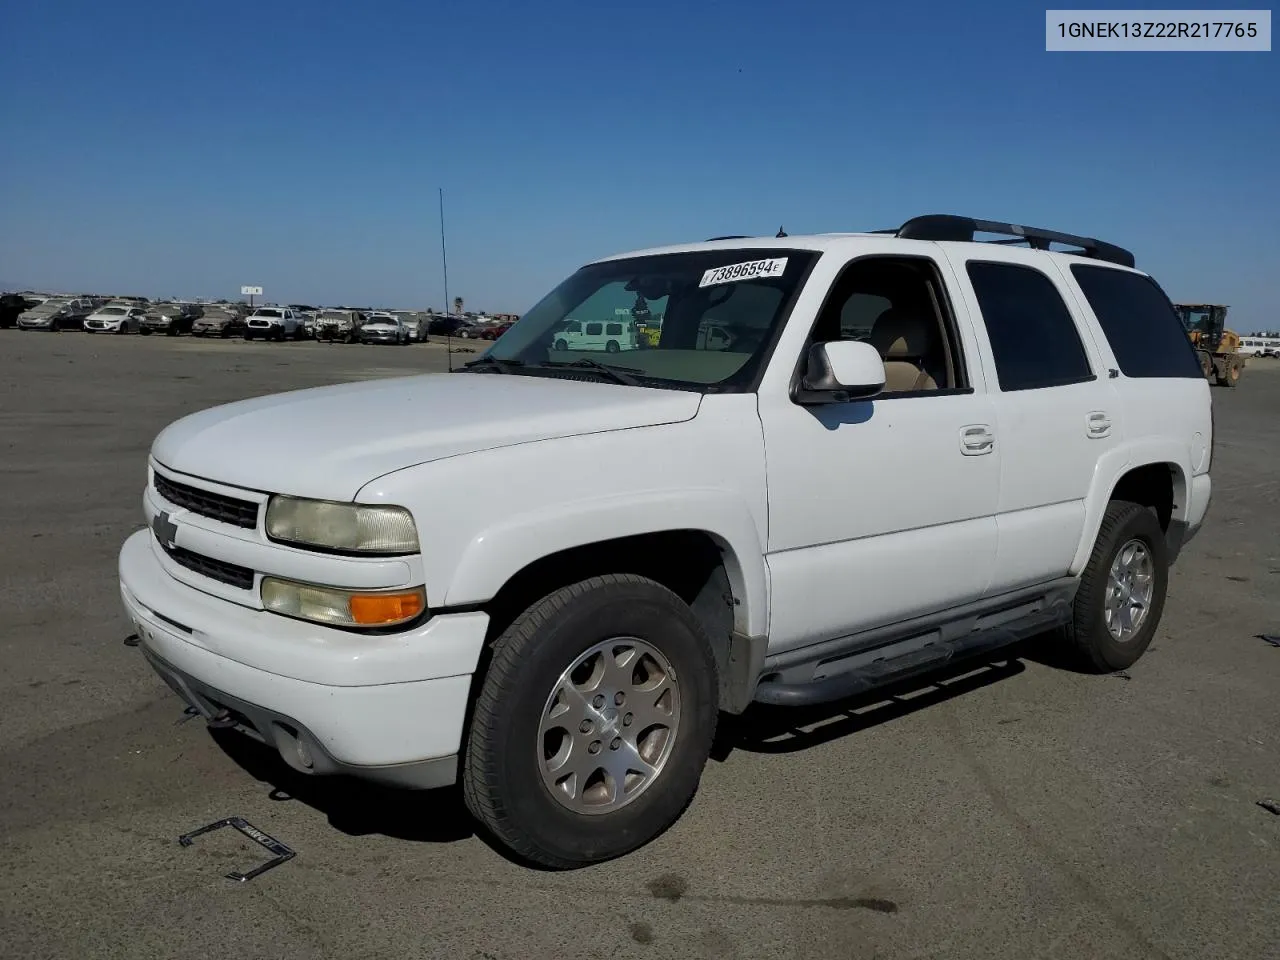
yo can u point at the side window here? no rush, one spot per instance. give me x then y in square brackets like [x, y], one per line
[613, 330]
[1141, 325]
[593, 329]
[1033, 335]
[898, 305]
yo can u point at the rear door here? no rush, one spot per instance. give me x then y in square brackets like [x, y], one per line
[1056, 411]
[1165, 396]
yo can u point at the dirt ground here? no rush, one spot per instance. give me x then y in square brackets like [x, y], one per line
[1019, 811]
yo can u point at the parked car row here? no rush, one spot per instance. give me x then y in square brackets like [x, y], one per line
[128, 315]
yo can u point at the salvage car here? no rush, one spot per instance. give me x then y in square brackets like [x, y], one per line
[338, 325]
[13, 305]
[383, 327]
[115, 318]
[219, 320]
[57, 314]
[935, 446]
[171, 318]
[274, 323]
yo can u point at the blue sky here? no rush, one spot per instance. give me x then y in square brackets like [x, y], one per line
[186, 149]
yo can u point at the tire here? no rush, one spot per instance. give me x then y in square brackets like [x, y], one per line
[172, 331]
[1096, 648]
[502, 774]
[612, 347]
[248, 336]
[561, 345]
[145, 331]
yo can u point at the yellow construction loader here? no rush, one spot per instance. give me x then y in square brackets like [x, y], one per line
[1216, 346]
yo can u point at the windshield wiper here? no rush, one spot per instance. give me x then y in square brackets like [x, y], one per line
[493, 363]
[620, 375]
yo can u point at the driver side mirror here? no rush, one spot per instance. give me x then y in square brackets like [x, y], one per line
[841, 370]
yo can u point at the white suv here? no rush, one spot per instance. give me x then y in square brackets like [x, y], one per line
[913, 447]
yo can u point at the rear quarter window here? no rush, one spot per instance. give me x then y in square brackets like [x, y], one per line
[1139, 322]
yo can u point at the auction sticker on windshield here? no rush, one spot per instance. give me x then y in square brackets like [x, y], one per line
[744, 271]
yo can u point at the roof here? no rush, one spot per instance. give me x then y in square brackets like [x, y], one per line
[933, 230]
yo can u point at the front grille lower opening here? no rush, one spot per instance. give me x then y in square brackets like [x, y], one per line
[228, 573]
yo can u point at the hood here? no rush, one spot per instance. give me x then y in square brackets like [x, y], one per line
[328, 442]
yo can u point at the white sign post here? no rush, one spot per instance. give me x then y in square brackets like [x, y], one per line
[250, 292]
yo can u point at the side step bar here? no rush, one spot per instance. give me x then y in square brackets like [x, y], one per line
[906, 658]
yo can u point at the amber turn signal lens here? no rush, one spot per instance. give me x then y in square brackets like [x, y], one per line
[372, 609]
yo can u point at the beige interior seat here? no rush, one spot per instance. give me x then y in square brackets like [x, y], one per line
[904, 340]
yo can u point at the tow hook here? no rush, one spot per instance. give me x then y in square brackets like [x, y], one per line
[221, 720]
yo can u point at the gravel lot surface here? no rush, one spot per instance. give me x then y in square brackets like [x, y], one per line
[1020, 811]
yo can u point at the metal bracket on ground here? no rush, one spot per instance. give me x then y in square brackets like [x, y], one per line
[281, 851]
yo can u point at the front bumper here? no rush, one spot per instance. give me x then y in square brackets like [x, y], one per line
[101, 326]
[388, 708]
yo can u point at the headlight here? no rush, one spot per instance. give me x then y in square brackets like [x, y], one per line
[342, 608]
[353, 527]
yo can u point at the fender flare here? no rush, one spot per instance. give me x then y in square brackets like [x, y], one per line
[1112, 466]
[498, 552]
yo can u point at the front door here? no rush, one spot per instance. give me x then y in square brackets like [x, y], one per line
[883, 510]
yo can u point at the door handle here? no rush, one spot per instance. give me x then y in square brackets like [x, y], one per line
[1099, 425]
[977, 440]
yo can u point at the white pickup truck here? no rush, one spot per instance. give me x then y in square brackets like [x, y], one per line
[914, 447]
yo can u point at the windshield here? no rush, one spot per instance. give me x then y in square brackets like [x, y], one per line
[49, 306]
[333, 315]
[267, 313]
[704, 319]
[111, 311]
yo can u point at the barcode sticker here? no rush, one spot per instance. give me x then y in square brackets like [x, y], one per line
[744, 271]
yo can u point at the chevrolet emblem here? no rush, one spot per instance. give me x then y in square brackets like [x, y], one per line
[165, 529]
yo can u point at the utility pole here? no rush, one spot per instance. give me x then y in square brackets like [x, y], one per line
[444, 263]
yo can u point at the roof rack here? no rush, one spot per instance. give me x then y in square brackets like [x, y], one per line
[942, 226]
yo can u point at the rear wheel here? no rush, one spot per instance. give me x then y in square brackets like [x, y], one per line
[612, 347]
[593, 723]
[561, 345]
[1122, 591]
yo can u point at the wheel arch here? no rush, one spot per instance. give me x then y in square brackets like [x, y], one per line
[1154, 474]
[708, 553]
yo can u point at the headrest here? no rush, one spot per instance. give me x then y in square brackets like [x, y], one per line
[899, 333]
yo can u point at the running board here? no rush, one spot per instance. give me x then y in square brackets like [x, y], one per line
[907, 657]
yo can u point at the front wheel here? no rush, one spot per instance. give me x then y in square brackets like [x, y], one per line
[561, 345]
[593, 723]
[1122, 591]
